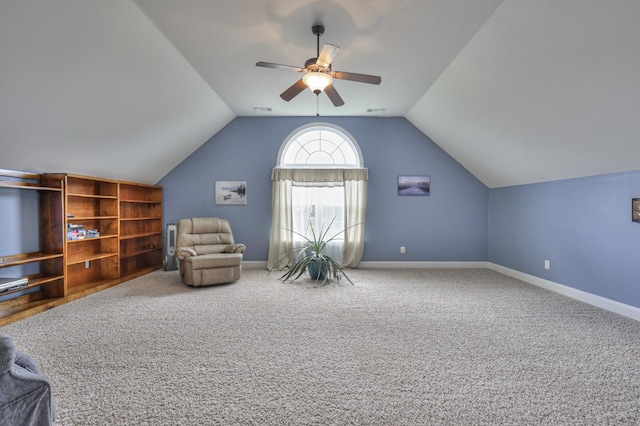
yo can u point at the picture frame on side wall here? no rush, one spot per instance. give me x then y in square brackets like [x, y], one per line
[231, 192]
[414, 186]
[635, 210]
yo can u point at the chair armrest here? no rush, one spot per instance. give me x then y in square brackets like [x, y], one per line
[7, 353]
[25, 361]
[184, 252]
[235, 248]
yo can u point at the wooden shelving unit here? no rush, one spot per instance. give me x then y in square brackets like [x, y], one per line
[140, 229]
[92, 263]
[126, 218]
[45, 288]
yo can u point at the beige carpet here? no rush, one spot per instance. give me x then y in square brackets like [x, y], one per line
[400, 347]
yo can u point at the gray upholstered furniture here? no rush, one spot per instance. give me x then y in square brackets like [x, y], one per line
[207, 252]
[25, 394]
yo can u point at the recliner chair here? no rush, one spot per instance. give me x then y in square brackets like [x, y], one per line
[25, 394]
[207, 253]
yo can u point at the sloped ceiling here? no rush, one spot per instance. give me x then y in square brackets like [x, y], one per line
[545, 90]
[516, 91]
[92, 87]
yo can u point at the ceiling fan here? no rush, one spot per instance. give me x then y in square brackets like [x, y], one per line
[318, 73]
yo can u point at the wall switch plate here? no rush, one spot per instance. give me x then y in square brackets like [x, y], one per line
[547, 264]
[403, 250]
[87, 264]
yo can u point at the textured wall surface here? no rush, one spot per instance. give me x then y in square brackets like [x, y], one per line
[448, 225]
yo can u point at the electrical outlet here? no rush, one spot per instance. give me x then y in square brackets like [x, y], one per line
[403, 250]
[547, 264]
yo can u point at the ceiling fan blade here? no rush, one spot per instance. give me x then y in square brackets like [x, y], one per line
[278, 66]
[361, 78]
[327, 54]
[292, 91]
[332, 93]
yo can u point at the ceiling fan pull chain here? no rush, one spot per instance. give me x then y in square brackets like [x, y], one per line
[317, 105]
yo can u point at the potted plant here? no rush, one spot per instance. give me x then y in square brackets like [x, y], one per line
[311, 257]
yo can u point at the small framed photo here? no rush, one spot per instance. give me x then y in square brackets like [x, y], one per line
[231, 192]
[635, 210]
[414, 185]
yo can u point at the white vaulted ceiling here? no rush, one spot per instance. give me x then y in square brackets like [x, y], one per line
[516, 91]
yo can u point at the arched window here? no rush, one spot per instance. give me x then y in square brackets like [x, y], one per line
[319, 146]
[318, 183]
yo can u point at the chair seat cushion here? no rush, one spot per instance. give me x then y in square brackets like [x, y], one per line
[215, 260]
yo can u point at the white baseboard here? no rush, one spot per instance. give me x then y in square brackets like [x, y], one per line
[255, 264]
[592, 299]
[391, 264]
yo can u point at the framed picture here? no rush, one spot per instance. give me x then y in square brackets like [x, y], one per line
[414, 185]
[635, 209]
[231, 192]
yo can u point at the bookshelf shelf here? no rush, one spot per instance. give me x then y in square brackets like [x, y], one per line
[141, 218]
[139, 252]
[72, 219]
[102, 237]
[98, 196]
[23, 258]
[142, 235]
[140, 201]
[27, 185]
[89, 258]
[26, 306]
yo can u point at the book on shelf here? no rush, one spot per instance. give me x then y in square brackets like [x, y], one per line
[78, 232]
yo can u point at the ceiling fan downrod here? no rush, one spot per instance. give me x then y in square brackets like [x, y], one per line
[318, 30]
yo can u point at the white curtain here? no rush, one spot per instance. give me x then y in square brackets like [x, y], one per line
[353, 183]
[355, 192]
[319, 210]
[281, 240]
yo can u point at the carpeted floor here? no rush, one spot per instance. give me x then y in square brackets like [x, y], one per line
[400, 347]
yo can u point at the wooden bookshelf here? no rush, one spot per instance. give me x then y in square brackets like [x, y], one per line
[92, 204]
[45, 288]
[141, 248]
[126, 239]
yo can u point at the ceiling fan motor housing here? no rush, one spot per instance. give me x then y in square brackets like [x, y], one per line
[318, 29]
[312, 66]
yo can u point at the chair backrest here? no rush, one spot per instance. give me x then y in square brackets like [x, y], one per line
[205, 235]
[25, 394]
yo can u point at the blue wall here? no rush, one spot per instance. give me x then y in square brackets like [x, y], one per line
[582, 226]
[19, 227]
[448, 225]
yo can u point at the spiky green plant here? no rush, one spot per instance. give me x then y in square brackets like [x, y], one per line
[312, 251]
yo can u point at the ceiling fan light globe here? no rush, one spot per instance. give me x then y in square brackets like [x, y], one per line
[317, 81]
